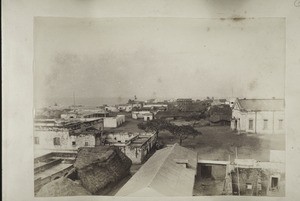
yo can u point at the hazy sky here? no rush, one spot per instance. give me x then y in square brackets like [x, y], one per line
[158, 57]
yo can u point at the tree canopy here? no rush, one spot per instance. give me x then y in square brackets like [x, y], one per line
[183, 132]
[157, 125]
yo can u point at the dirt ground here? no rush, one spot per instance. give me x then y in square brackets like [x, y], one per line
[208, 187]
[130, 125]
[219, 142]
[215, 143]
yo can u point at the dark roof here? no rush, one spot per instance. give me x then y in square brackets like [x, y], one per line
[261, 104]
[220, 110]
[165, 114]
[219, 117]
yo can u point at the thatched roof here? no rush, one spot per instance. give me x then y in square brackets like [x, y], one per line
[62, 187]
[89, 155]
[101, 167]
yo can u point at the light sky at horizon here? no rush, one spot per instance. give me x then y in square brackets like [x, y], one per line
[158, 57]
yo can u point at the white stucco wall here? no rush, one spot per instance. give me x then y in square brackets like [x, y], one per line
[46, 140]
[273, 118]
[140, 114]
[113, 122]
[148, 117]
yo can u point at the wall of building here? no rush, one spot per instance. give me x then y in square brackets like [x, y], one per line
[127, 108]
[120, 137]
[259, 181]
[273, 120]
[148, 117]
[136, 153]
[68, 116]
[113, 122]
[44, 139]
[111, 109]
[155, 105]
[140, 114]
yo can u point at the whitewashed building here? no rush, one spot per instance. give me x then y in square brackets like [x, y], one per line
[111, 109]
[135, 146]
[141, 114]
[114, 122]
[126, 108]
[155, 105]
[148, 117]
[66, 135]
[260, 116]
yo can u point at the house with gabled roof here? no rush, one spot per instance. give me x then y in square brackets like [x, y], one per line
[169, 172]
[260, 116]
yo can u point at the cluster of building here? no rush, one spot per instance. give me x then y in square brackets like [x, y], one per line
[171, 171]
[57, 139]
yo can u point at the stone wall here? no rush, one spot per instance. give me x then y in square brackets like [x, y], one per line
[256, 181]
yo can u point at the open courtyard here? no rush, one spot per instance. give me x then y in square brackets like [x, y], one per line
[220, 143]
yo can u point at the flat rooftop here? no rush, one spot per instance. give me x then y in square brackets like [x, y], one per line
[53, 170]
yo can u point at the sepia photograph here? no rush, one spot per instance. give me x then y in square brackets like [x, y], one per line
[159, 107]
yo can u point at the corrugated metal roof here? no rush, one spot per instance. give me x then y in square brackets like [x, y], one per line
[161, 175]
[261, 104]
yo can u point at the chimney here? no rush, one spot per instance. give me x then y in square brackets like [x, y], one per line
[183, 162]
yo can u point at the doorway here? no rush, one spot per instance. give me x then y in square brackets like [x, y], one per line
[206, 171]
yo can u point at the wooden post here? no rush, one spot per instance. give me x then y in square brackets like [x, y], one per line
[237, 168]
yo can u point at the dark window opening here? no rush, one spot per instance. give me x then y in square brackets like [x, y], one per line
[250, 124]
[86, 144]
[56, 141]
[274, 183]
[74, 143]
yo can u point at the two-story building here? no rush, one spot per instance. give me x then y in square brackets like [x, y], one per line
[66, 135]
[260, 116]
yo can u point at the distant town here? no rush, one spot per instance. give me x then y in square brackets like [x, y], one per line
[176, 147]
